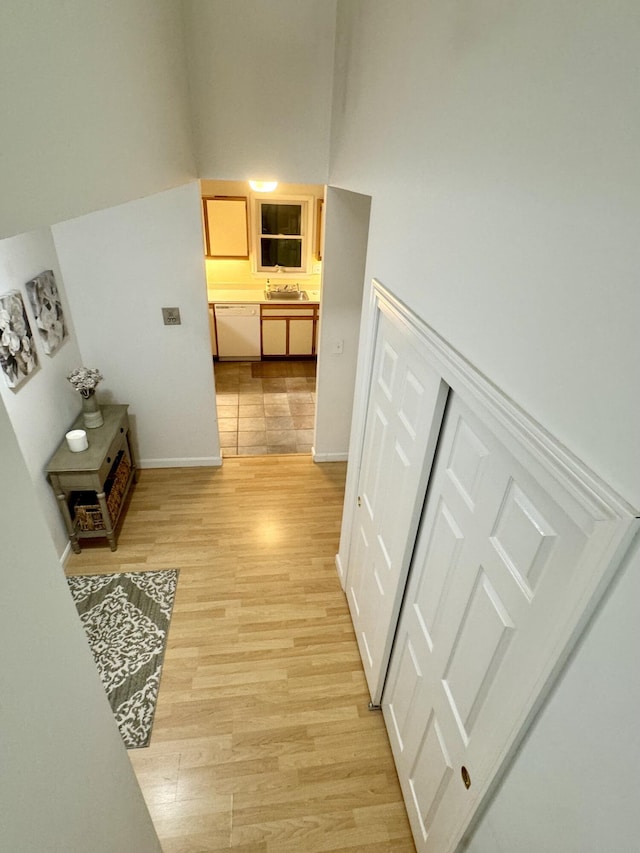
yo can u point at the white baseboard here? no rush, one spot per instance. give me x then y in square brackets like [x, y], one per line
[186, 462]
[65, 555]
[329, 457]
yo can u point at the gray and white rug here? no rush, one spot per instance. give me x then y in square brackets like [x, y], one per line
[126, 618]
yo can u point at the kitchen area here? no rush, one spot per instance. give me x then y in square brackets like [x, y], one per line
[263, 258]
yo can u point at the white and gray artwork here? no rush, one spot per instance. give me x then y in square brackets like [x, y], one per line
[18, 357]
[47, 310]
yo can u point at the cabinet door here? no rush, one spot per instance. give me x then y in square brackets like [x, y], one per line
[225, 227]
[301, 337]
[274, 336]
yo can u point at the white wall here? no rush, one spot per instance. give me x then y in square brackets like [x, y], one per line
[66, 781]
[121, 266]
[345, 250]
[94, 107]
[44, 405]
[260, 76]
[574, 785]
[499, 143]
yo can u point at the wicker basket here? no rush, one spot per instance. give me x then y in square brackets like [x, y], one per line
[85, 508]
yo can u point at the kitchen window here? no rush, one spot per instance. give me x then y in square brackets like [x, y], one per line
[281, 237]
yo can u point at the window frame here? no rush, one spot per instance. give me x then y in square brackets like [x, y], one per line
[306, 204]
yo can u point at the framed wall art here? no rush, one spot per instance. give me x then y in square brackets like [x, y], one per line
[18, 357]
[47, 310]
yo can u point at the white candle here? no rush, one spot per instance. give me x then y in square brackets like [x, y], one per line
[77, 440]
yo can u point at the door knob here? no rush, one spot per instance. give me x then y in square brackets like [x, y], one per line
[359, 501]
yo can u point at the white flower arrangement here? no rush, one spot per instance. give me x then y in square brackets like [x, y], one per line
[85, 380]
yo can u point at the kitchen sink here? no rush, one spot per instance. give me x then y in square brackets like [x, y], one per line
[289, 295]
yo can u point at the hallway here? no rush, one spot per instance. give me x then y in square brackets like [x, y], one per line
[262, 741]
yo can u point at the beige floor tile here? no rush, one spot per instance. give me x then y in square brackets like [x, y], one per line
[272, 386]
[227, 398]
[251, 439]
[290, 447]
[227, 424]
[265, 407]
[251, 399]
[227, 411]
[258, 450]
[277, 438]
[279, 422]
[229, 439]
[250, 410]
[302, 421]
[301, 408]
[297, 383]
[251, 424]
[273, 410]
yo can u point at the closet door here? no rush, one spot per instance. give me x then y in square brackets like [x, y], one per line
[406, 403]
[507, 557]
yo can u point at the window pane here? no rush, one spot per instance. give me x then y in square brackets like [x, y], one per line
[281, 218]
[280, 253]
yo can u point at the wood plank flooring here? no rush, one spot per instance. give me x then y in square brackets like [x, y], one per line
[262, 740]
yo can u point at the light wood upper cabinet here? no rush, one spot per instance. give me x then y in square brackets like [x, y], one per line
[226, 227]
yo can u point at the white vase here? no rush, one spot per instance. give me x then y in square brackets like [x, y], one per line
[91, 413]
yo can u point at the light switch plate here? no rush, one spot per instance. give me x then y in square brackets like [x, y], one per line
[171, 316]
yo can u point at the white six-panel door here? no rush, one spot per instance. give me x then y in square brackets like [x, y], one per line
[505, 559]
[406, 403]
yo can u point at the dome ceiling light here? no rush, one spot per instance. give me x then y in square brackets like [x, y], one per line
[263, 186]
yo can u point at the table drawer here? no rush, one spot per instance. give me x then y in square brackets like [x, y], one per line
[119, 443]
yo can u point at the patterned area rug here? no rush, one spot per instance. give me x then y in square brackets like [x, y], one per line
[126, 618]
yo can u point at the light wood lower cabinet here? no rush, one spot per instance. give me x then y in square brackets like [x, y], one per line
[289, 330]
[274, 336]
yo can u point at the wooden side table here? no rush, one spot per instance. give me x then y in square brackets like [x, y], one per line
[91, 486]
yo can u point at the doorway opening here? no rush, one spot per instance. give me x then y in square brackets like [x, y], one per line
[337, 225]
[265, 407]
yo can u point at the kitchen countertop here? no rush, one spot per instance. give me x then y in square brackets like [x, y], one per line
[254, 295]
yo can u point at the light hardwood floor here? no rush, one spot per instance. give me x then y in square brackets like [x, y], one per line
[262, 739]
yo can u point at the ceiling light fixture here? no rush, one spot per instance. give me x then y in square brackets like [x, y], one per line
[263, 186]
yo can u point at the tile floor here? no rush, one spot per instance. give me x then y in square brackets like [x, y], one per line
[265, 406]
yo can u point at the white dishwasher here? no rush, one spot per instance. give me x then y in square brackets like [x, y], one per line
[238, 331]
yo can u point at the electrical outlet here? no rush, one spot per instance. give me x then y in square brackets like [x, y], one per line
[316, 269]
[171, 316]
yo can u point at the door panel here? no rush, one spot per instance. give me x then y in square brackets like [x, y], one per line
[406, 403]
[495, 574]
[274, 337]
[301, 337]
